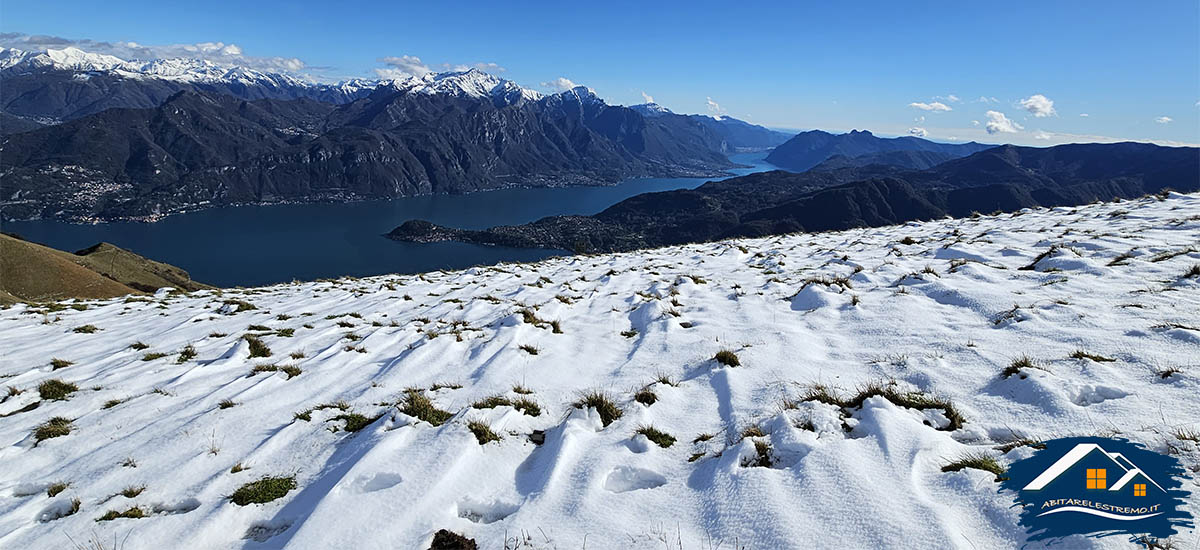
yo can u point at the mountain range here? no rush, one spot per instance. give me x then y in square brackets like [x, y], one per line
[52, 86]
[807, 150]
[1005, 179]
[133, 140]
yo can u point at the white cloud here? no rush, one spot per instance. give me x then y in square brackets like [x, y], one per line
[917, 131]
[936, 106]
[647, 97]
[715, 108]
[1038, 104]
[560, 84]
[1163, 120]
[974, 123]
[986, 99]
[953, 98]
[1042, 135]
[998, 123]
[919, 119]
[219, 53]
[1085, 115]
[402, 66]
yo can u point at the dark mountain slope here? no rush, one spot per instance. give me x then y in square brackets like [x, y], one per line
[808, 149]
[61, 95]
[736, 135]
[1005, 179]
[905, 160]
[210, 149]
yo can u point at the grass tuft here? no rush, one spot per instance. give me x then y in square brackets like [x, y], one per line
[727, 358]
[1185, 434]
[263, 490]
[604, 405]
[186, 354]
[1021, 363]
[645, 396]
[57, 363]
[978, 461]
[662, 439]
[55, 488]
[85, 329]
[531, 350]
[753, 431]
[240, 305]
[355, 421]
[153, 356]
[131, 492]
[138, 346]
[527, 406]
[56, 389]
[55, 427]
[417, 405]
[292, 371]
[257, 347]
[762, 458]
[1080, 354]
[132, 513]
[483, 433]
[910, 399]
[226, 404]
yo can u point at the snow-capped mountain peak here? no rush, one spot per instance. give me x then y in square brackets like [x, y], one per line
[72, 59]
[471, 83]
[651, 109]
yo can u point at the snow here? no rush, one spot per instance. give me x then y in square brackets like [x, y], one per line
[471, 83]
[175, 69]
[841, 309]
[651, 109]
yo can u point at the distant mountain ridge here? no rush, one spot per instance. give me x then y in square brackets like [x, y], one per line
[1005, 178]
[200, 148]
[52, 86]
[91, 137]
[808, 149]
[740, 136]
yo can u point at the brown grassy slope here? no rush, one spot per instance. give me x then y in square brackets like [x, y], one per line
[133, 270]
[32, 272]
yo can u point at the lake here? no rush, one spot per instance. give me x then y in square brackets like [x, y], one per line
[257, 245]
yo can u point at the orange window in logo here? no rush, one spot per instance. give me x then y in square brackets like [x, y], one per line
[1096, 478]
[1139, 489]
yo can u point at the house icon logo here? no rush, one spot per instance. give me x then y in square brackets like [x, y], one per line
[1097, 487]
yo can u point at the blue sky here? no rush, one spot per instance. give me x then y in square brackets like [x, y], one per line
[1132, 68]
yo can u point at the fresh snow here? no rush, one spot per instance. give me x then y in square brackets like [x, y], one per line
[471, 83]
[943, 315]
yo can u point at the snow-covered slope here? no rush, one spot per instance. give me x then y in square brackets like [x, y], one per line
[940, 308]
[471, 83]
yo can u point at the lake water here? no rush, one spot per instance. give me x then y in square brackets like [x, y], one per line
[256, 245]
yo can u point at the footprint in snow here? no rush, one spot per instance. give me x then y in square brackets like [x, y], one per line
[627, 478]
[485, 512]
[377, 481]
[260, 531]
